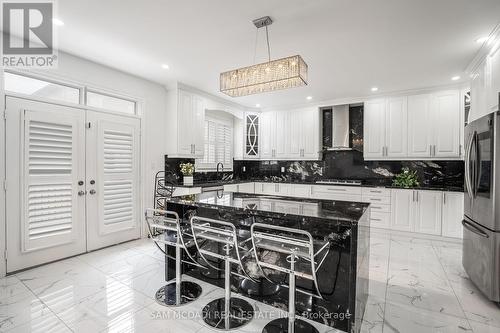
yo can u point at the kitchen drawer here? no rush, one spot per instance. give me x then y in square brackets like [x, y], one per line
[377, 199]
[231, 188]
[380, 208]
[376, 191]
[380, 220]
[301, 191]
[246, 188]
[318, 190]
[337, 197]
[181, 191]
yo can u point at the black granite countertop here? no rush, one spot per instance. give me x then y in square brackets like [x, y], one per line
[278, 206]
[364, 183]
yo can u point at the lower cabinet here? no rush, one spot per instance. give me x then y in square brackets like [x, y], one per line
[427, 212]
[453, 212]
[420, 211]
[402, 206]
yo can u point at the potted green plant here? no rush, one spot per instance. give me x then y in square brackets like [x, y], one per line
[406, 179]
[187, 170]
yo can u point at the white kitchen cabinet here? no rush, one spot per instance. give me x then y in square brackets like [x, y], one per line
[185, 126]
[380, 219]
[246, 188]
[446, 122]
[419, 134]
[396, 136]
[374, 129]
[418, 211]
[301, 191]
[294, 135]
[427, 212]
[427, 126]
[198, 124]
[289, 135]
[493, 65]
[309, 134]
[478, 93]
[402, 206]
[453, 211]
[282, 133]
[231, 188]
[268, 135]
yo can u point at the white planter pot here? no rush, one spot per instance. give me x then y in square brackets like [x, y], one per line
[187, 180]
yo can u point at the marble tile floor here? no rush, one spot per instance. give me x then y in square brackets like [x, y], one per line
[416, 285]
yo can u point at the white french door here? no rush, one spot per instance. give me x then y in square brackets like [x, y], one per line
[70, 188]
[45, 160]
[112, 179]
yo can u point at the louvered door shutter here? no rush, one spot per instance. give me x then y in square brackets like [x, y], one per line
[113, 164]
[53, 145]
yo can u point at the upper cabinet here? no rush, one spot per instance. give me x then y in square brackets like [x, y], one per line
[374, 129]
[485, 73]
[426, 126]
[185, 126]
[287, 135]
[493, 79]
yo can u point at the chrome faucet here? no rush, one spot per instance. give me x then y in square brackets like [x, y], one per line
[222, 168]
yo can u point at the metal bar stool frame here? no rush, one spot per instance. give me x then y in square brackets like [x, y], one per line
[237, 312]
[293, 250]
[176, 292]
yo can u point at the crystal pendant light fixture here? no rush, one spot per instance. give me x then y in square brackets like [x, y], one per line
[272, 75]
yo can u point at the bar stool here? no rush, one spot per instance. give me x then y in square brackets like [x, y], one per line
[297, 248]
[228, 312]
[165, 228]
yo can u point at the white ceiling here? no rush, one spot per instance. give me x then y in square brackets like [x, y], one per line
[349, 45]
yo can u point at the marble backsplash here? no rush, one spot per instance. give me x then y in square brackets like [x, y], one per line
[351, 165]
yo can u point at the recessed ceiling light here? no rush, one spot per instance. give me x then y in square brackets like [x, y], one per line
[309, 98]
[257, 105]
[57, 22]
[481, 40]
[165, 66]
[455, 78]
[374, 89]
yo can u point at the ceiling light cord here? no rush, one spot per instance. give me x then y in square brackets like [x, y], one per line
[255, 46]
[268, 47]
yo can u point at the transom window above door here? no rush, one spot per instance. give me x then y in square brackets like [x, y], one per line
[47, 89]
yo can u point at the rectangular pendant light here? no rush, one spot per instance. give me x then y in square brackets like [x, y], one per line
[273, 75]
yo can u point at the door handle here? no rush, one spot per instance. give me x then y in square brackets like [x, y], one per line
[92, 192]
[472, 228]
[478, 165]
[81, 193]
[468, 151]
[80, 182]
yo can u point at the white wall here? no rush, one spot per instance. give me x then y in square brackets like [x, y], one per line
[152, 98]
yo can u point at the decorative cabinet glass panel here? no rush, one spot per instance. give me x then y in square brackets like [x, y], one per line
[252, 135]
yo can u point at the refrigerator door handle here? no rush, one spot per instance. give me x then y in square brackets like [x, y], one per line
[477, 168]
[474, 229]
[467, 167]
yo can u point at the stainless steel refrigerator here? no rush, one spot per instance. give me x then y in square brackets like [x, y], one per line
[481, 238]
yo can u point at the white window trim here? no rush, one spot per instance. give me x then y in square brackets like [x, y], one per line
[81, 86]
[199, 165]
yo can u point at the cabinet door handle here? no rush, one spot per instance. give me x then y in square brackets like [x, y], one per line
[413, 196]
[430, 150]
[444, 198]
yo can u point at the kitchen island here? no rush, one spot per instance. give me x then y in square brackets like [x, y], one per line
[343, 276]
